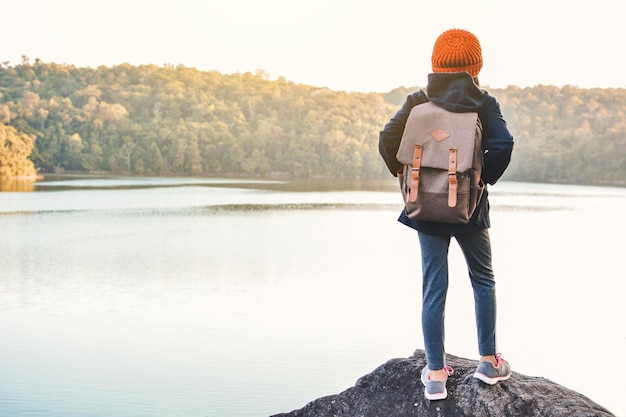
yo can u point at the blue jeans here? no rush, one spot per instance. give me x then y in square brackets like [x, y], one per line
[476, 248]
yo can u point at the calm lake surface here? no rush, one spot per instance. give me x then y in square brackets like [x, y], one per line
[178, 297]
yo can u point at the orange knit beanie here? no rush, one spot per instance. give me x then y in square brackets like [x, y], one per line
[457, 50]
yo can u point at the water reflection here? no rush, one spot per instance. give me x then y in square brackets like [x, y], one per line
[104, 182]
[16, 186]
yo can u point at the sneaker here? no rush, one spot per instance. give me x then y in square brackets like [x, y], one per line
[490, 374]
[435, 390]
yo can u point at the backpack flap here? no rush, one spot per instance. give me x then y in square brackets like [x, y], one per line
[438, 131]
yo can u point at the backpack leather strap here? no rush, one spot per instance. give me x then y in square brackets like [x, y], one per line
[452, 180]
[415, 173]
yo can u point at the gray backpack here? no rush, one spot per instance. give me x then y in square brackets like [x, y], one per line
[443, 158]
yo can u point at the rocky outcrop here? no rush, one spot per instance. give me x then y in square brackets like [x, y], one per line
[395, 390]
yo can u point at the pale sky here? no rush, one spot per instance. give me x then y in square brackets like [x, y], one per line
[340, 44]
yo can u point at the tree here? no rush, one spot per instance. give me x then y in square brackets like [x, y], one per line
[15, 148]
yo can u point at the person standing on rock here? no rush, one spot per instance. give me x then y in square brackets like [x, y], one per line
[453, 85]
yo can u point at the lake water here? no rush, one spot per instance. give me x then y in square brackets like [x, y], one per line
[168, 297]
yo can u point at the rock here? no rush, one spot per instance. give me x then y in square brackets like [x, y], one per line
[395, 390]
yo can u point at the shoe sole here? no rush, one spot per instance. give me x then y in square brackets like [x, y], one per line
[490, 381]
[438, 396]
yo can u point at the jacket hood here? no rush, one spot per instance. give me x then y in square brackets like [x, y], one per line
[455, 91]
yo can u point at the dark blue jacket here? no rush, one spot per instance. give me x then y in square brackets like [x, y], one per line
[455, 92]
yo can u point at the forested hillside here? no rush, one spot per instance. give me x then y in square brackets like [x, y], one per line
[567, 135]
[151, 120]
